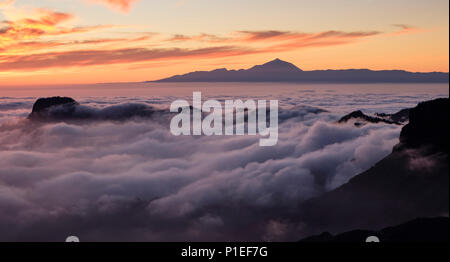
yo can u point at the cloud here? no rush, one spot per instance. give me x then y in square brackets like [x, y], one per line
[32, 46]
[117, 56]
[133, 180]
[29, 28]
[251, 36]
[418, 161]
[200, 38]
[406, 29]
[275, 41]
[19, 33]
[6, 3]
[279, 41]
[271, 36]
[287, 41]
[32, 42]
[120, 5]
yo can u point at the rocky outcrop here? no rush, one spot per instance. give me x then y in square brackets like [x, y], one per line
[43, 106]
[401, 116]
[67, 109]
[360, 119]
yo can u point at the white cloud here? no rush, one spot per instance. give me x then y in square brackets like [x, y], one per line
[132, 180]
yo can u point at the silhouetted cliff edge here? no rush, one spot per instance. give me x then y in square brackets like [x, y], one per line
[427, 128]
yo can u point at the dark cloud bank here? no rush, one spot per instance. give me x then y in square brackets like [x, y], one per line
[115, 173]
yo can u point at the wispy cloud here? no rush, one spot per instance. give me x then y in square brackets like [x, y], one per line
[271, 36]
[199, 38]
[406, 29]
[120, 5]
[287, 41]
[305, 38]
[117, 56]
[280, 41]
[31, 46]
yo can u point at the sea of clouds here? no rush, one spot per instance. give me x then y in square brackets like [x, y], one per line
[130, 179]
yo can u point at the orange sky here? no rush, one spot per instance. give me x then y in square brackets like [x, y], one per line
[92, 41]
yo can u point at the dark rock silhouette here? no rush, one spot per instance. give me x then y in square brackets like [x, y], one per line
[67, 109]
[44, 103]
[399, 117]
[361, 118]
[411, 182]
[42, 106]
[417, 230]
[281, 71]
[427, 127]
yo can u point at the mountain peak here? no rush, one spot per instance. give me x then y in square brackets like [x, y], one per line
[277, 60]
[278, 64]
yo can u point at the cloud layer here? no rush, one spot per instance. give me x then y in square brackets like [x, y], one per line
[133, 180]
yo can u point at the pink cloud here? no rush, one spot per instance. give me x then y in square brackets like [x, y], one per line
[121, 5]
[47, 23]
[117, 56]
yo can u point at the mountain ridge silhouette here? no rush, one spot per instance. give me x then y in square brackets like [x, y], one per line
[281, 71]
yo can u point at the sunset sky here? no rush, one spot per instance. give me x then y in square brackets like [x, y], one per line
[91, 41]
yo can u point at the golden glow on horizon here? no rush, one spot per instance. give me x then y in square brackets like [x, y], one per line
[41, 45]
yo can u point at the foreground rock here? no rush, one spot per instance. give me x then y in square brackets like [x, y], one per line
[427, 128]
[411, 182]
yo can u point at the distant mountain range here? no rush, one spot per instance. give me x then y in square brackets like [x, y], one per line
[282, 71]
